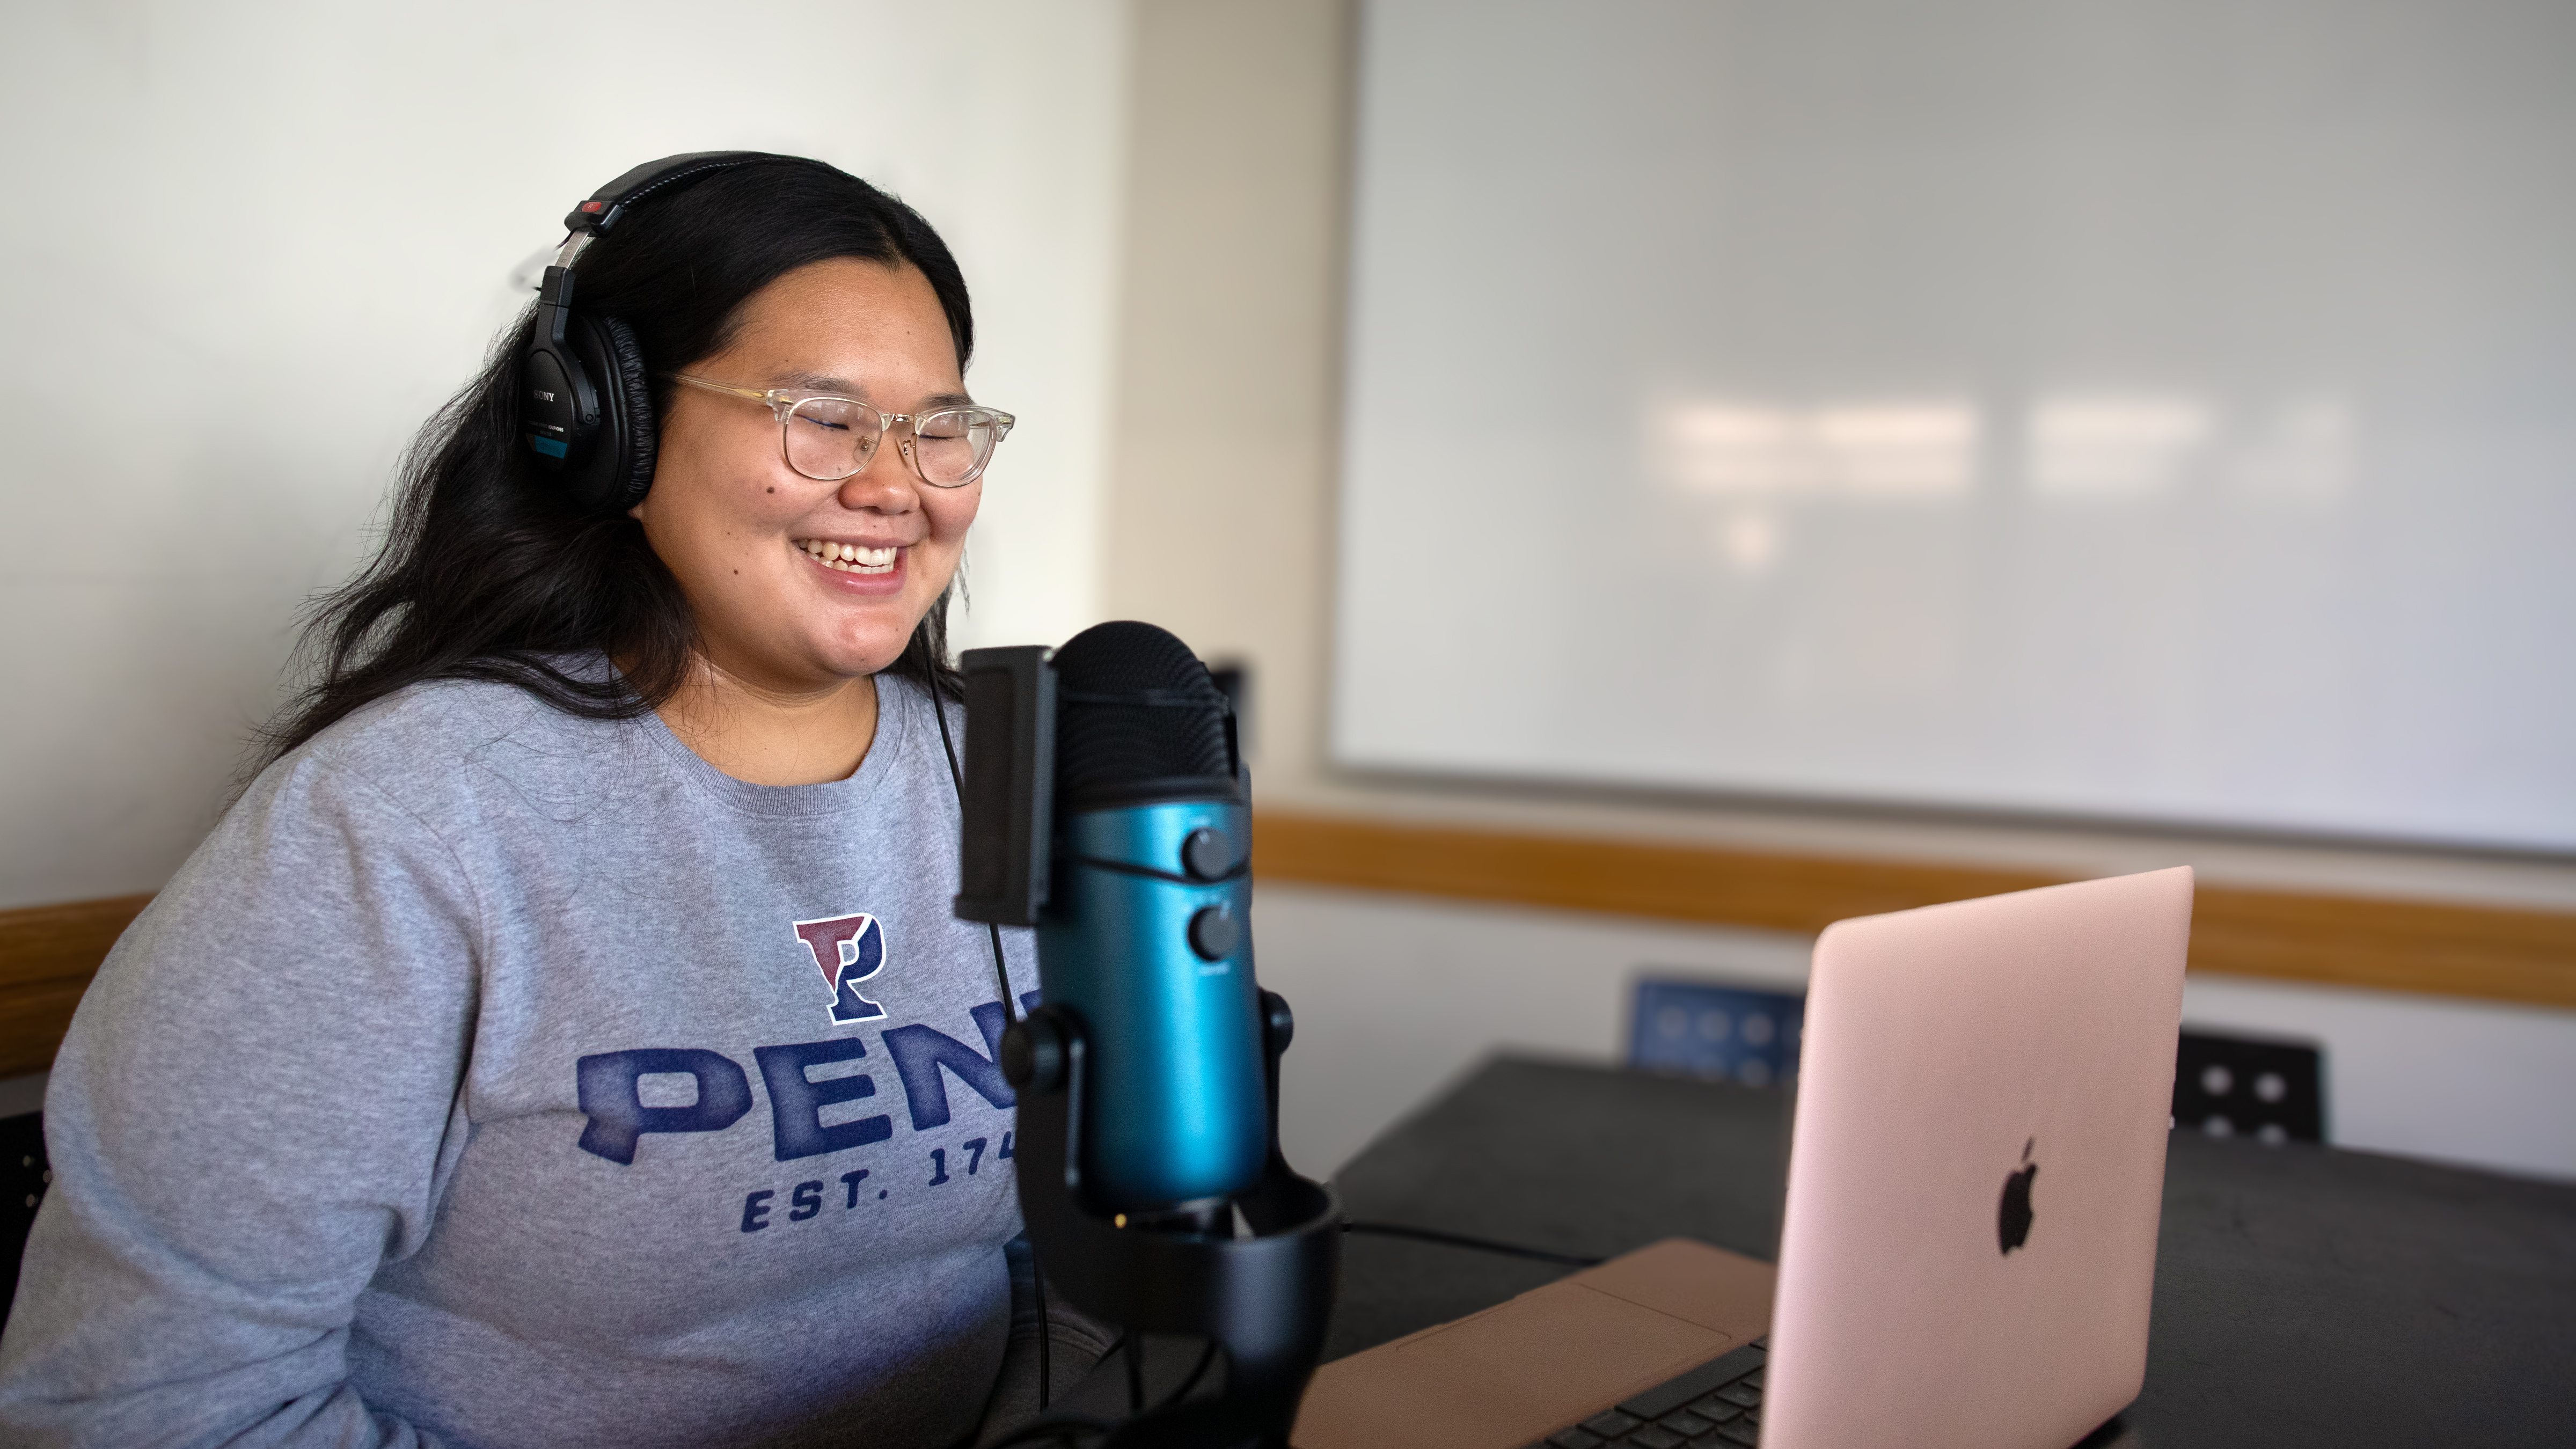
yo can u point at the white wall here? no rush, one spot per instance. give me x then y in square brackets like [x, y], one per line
[1395, 995]
[248, 248]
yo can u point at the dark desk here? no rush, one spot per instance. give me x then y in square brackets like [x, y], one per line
[2303, 1295]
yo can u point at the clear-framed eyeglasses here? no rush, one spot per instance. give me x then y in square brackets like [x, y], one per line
[829, 438]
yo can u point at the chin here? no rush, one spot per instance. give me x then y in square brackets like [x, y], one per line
[850, 659]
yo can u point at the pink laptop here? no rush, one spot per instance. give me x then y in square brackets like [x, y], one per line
[1967, 1252]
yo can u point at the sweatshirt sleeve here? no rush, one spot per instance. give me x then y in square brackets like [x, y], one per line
[257, 1107]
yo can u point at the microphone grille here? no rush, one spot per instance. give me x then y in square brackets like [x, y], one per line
[1137, 718]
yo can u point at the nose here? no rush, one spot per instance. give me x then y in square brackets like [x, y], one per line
[887, 484]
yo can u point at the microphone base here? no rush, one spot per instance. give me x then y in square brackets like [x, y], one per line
[1265, 1299]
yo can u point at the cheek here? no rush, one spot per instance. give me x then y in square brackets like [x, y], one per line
[765, 516]
[739, 516]
[951, 514]
[718, 495]
[716, 551]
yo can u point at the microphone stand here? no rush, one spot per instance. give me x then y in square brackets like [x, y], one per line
[1263, 1299]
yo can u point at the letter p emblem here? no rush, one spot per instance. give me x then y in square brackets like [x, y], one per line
[847, 950]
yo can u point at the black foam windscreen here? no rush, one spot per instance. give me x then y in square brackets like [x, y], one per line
[1137, 718]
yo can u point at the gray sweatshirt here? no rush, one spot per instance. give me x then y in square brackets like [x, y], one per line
[491, 1077]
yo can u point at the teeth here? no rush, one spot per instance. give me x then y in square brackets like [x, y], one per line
[849, 558]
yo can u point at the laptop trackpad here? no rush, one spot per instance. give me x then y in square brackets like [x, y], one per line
[1502, 1377]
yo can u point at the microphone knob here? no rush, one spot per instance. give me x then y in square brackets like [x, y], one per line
[1214, 933]
[1033, 1054]
[1207, 854]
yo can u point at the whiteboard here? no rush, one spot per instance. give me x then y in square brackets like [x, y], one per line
[2147, 411]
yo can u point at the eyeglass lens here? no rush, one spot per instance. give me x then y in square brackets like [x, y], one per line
[831, 438]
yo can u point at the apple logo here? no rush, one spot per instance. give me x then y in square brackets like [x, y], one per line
[2012, 1220]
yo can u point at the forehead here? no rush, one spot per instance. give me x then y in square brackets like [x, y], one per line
[848, 318]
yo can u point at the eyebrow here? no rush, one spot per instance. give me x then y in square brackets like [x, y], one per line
[843, 387]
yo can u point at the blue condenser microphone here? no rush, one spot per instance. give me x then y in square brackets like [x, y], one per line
[1120, 828]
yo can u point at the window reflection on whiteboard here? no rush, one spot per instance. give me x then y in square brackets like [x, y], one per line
[2114, 449]
[1896, 449]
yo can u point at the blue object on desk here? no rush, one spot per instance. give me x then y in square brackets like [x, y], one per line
[1705, 1029]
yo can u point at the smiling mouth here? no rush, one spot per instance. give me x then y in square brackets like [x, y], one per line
[848, 558]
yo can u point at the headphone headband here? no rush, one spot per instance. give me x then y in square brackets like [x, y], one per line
[604, 206]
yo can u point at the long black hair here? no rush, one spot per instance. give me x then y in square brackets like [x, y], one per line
[489, 571]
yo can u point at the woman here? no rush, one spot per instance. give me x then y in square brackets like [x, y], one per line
[566, 1038]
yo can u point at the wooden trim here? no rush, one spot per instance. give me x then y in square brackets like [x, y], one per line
[2497, 953]
[47, 956]
[49, 953]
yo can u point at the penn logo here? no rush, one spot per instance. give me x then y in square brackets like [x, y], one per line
[847, 950]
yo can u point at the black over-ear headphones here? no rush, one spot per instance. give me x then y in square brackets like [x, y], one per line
[586, 399]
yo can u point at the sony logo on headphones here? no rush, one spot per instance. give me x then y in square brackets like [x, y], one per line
[542, 393]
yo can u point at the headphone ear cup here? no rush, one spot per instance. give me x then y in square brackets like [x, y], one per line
[639, 434]
[620, 467]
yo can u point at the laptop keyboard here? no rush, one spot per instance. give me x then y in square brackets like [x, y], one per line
[1717, 1405]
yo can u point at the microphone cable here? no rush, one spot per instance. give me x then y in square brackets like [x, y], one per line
[1065, 1428]
[1059, 1430]
[1464, 1240]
